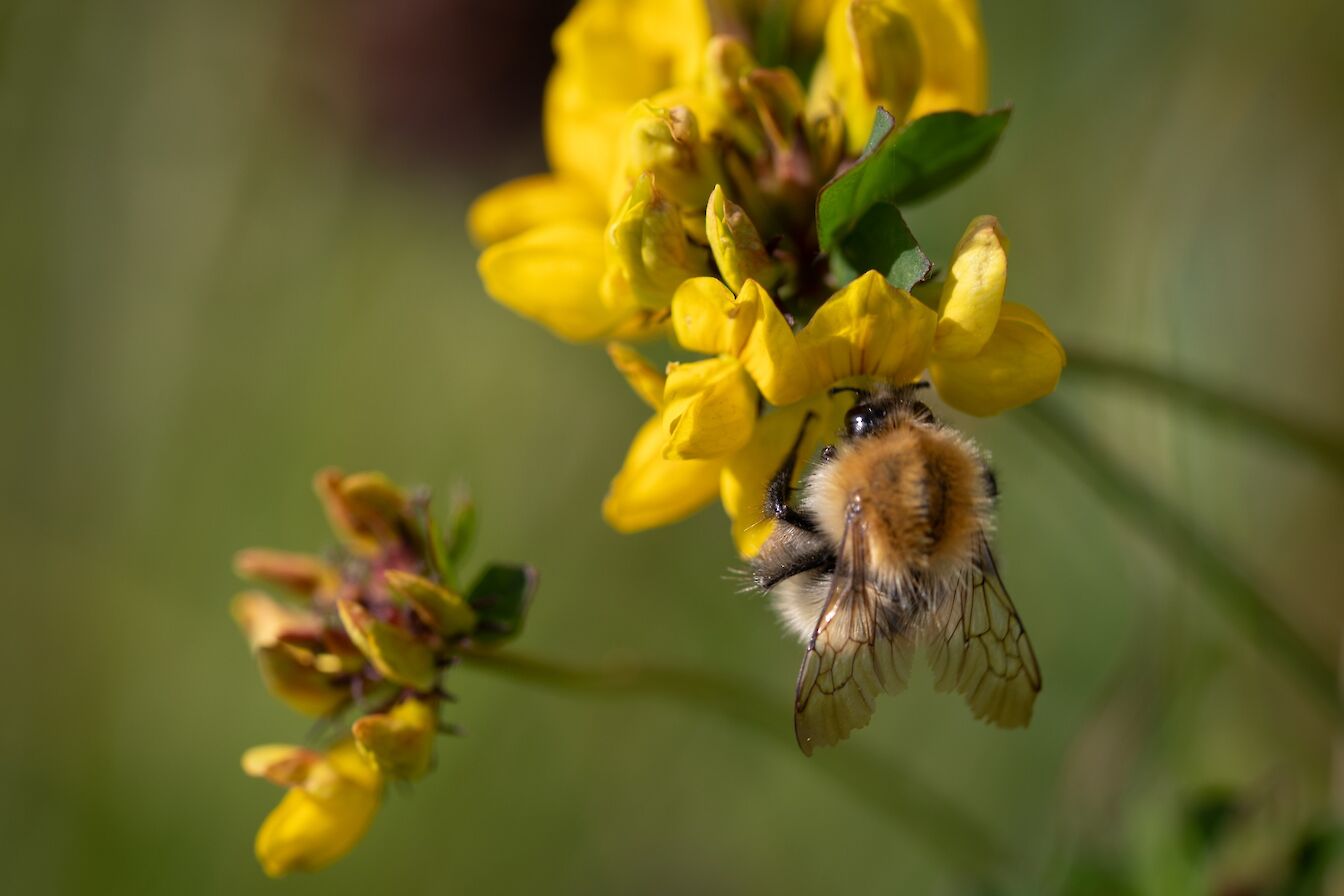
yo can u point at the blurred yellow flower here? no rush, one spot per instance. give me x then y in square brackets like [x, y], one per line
[399, 742]
[331, 801]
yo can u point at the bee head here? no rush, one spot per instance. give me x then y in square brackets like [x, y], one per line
[878, 409]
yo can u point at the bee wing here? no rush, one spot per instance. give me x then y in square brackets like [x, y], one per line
[852, 655]
[978, 647]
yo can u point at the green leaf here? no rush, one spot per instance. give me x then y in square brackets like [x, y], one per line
[881, 242]
[902, 166]
[461, 526]
[500, 598]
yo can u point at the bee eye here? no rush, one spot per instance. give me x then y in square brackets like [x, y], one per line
[861, 420]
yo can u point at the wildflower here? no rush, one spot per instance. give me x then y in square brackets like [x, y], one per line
[754, 221]
[373, 627]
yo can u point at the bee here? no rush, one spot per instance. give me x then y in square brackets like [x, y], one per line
[887, 551]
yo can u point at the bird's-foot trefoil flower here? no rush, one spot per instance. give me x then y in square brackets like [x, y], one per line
[745, 206]
[369, 629]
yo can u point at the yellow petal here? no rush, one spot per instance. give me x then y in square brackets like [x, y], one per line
[652, 491]
[952, 47]
[263, 620]
[395, 653]
[445, 611]
[646, 380]
[553, 275]
[399, 742]
[868, 328]
[610, 53]
[709, 408]
[707, 317]
[284, 764]
[529, 202]
[747, 473]
[969, 306]
[303, 574]
[1020, 363]
[307, 832]
[873, 57]
[366, 510]
[772, 355]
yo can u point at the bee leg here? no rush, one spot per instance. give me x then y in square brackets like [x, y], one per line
[780, 489]
[991, 484]
[821, 558]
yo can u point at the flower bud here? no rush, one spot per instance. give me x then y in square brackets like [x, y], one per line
[365, 509]
[302, 574]
[727, 63]
[736, 244]
[666, 143]
[398, 742]
[647, 243]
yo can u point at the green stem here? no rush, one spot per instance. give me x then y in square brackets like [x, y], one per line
[1173, 533]
[1223, 405]
[883, 786]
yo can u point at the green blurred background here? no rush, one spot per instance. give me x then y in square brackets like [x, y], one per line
[232, 251]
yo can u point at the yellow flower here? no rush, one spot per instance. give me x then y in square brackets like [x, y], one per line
[868, 329]
[913, 57]
[989, 355]
[331, 801]
[545, 234]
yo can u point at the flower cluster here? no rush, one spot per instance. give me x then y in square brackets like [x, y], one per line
[370, 629]
[729, 176]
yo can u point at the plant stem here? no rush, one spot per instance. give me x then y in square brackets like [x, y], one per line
[893, 791]
[1326, 447]
[1175, 534]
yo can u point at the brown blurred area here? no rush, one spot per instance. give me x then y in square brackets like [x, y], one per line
[435, 84]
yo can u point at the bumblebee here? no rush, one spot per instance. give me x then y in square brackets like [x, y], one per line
[886, 551]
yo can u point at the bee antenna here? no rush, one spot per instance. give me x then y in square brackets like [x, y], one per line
[836, 390]
[922, 384]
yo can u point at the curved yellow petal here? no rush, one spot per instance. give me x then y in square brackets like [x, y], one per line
[529, 202]
[873, 57]
[309, 831]
[1021, 362]
[969, 306]
[553, 276]
[646, 380]
[747, 473]
[393, 651]
[651, 490]
[952, 45]
[707, 317]
[709, 408]
[868, 328]
[442, 609]
[771, 354]
[735, 243]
